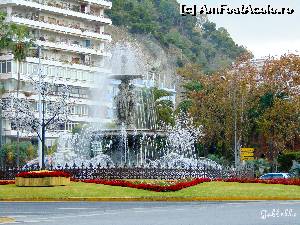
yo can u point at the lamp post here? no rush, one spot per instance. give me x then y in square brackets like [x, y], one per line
[40, 109]
[1, 159]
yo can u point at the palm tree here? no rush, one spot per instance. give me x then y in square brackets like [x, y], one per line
[16, 39]
[20, 48]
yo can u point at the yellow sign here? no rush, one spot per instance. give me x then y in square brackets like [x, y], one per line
[247, 149]
[247, 154]
[246, 158]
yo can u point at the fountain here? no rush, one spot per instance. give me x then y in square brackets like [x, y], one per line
[128, 144]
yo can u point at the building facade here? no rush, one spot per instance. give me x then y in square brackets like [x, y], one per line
[72, 37]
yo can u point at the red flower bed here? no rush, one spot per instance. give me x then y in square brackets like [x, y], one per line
[263, 181]
[5, 182]
[42, 174]
[150, 187]
[180, 185]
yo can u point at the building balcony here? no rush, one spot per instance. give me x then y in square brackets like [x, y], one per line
[88, 67]
[57, 72]
[59, 8]
[91, 67]
[71, 48]
[106, 3]
[81, 32]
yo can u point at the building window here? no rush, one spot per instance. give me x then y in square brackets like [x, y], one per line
[29, 69]
[70, 126]
[35, 70]
[79, 75]
[85, 111]
[72, 110]
[3, 67]
[24, 68]
[69, 74]
[8, 67]
[88, 43]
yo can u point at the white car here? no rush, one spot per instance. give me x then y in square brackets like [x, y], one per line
[275, 176]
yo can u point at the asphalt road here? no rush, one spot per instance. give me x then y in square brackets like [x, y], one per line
[154, 213]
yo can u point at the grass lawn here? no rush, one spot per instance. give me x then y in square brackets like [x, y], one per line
[204, 190]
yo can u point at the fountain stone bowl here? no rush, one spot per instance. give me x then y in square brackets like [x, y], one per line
[125, 77]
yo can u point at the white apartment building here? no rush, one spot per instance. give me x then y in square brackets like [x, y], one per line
[72, 37]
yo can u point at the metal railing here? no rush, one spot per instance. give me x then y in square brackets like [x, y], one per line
[124, 172]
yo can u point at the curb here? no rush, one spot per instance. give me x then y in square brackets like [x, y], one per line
[148, 199]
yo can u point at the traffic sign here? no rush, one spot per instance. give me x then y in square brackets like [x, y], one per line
[246, 154]
[247, 149]
[246, 158]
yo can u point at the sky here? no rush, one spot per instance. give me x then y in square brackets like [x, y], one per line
[263, 35]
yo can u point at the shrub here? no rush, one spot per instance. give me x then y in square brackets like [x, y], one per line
[286, 160]
[8, 153]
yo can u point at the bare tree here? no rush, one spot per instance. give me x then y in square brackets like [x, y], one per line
[21, 110]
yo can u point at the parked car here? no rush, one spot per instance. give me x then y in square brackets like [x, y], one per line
[275, 176]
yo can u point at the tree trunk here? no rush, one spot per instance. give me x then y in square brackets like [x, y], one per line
[43, 146]
[43, 137]
[18, 133]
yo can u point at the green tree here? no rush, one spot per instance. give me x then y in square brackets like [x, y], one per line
[218, 101]
[264, 110]
[276, 115]
[164, 108]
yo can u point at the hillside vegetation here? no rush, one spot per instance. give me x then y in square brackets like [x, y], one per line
[198, 39]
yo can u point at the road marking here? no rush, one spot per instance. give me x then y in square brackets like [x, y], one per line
[136, 211]
[75, 208]
[159, 210]
[235, 203]
[289, 203]
[17, 216]
[88, 215]
[42, 218]
[63, 217]
[109, 213]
